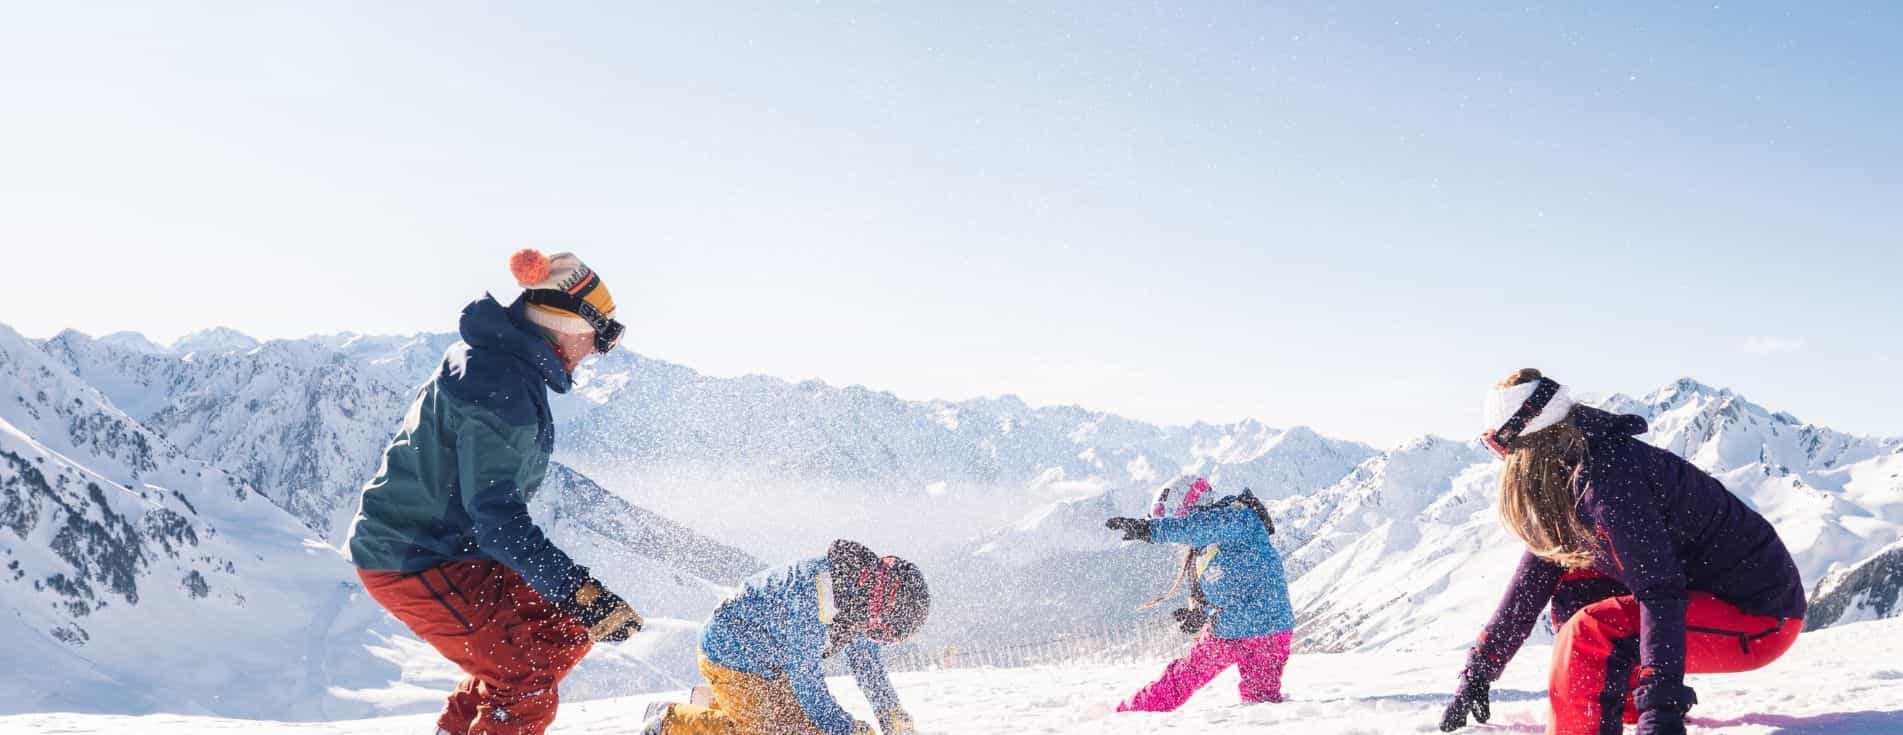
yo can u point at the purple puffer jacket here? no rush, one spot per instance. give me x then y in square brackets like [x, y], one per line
[1669, 528]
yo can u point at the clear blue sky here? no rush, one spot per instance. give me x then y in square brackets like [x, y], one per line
[1353, 218]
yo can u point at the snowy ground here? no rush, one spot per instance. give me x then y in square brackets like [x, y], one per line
[1843, 681]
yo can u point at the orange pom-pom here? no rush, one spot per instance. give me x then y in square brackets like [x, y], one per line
[529, 266]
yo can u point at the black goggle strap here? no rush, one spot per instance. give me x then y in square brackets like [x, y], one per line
[607, 331]
[1502, 439]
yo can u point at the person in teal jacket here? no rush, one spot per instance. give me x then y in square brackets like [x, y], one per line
[763, 649]
[443, 538]
[1239, 601]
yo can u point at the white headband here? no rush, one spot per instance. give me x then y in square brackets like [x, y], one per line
[1503, 402]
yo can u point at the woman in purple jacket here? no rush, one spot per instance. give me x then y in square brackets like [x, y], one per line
[1654, 570]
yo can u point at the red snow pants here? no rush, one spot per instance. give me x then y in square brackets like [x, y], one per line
[1596, 657]
[481, 615]
[1259, 659]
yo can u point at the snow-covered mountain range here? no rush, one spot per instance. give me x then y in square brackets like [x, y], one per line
[226, 468]
[308, 418]
[633, 411]
[128, 560]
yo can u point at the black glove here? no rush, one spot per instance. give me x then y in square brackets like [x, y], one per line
[1192, 619]
[1472, 697]
[605, 614]
[1662, 721]
[1133, 529]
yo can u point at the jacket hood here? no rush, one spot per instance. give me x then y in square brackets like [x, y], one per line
[1595, 422]
[486, 324]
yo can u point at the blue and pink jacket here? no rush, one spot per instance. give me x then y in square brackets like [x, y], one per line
[1242, 573]
[1666, 528]
[778, 625]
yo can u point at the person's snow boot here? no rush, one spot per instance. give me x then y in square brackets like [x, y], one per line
[655, 717]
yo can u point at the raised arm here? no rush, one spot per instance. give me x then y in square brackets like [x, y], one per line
[1207, 526]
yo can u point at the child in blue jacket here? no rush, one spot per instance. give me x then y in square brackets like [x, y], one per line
[763, 649]
[1239, 596]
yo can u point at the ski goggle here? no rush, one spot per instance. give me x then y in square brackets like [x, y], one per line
[1501, 440]
[882, 594]
[607, 331]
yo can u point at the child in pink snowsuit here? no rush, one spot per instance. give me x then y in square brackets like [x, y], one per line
[1239, 596]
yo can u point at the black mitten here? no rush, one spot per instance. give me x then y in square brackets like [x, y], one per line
[1133, 529]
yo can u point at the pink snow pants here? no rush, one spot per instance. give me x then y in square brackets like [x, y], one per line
[1259, 659]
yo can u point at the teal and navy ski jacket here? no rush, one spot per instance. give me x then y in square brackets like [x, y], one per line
[456, 481]
[1241, 573]
[778, 624]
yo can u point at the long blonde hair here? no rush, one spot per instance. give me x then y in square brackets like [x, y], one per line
[1537, 502]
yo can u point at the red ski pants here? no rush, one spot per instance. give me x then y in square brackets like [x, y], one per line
[515, 646]
[1596, 657]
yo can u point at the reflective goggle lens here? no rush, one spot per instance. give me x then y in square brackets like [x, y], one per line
[1493, 443]
[608, 335]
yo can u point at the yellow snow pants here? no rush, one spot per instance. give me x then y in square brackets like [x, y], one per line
[744, 704]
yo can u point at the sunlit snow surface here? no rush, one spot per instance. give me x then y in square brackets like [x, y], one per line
[1846, 680]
